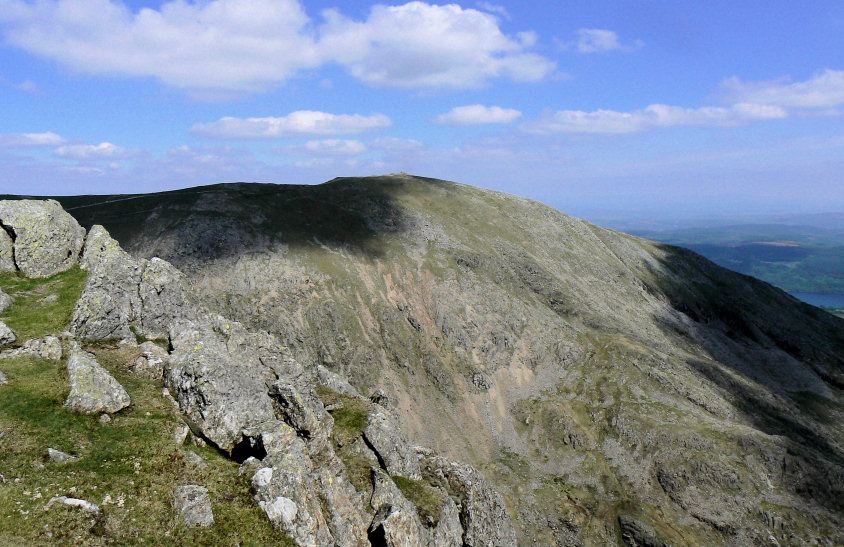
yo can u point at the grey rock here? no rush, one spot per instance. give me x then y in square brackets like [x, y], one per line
[110, 299]
[83, 505]
[396, 522]
[448, 531]
[302, 409]
[392, 447]
[221, 394]
[193, 504]
[7, 335]
[92, 388]
[180, 433]
[6, 301]
[104, 419]
[380, 398]
[3, 378]
[635, 533]
[165, 299]
[151, 363]
[483, 515]
[57, 456]
[335, 382]
[98, 245]
[49, 347]
[7, 252]
[47, 240]
[193, 458]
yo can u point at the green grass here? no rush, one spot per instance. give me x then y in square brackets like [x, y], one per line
[129, 467]
[34, 312]
[428, 500]
[349, 423]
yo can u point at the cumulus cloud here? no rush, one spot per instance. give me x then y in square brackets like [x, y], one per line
[102, 151]
[23, 140]
[397, 144]
[654, 116]
[494, 8]
[824, 90]
[477, 114]
[253, 45]
[335, 147]
[301, 122]
[593, 40]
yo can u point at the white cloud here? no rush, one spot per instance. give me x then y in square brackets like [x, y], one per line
[824, 90]
[102, 151]
[301, 122]
[21, 140]
[334, 147]
[654, 116]
[423, 45]
[592, 40]
[494, 8]
[478, 114]
[252, 45]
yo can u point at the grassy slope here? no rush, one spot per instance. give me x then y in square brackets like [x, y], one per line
[129, 466]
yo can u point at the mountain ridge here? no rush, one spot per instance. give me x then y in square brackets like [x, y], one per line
[586, 372]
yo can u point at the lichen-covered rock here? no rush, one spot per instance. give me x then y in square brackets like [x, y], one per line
[383, 434]
[165, 299]
[220, 393]
[49, 347]
[7, 253]
[193, 503]
[110, 300]
[92, 388]
[3, 378]
[6, 301]
[47, 240]
[7, 335]
[302, 408]
[98, 245]
[483, 514]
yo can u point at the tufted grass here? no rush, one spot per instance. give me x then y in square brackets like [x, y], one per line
[35, 313]
[428, 500]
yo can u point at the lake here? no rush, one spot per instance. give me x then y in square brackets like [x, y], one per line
[820, 299]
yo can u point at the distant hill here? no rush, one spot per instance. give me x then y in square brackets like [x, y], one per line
[608, 386]
[802, 253]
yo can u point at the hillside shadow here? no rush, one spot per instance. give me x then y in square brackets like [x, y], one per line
[749, 315]
[226, 220]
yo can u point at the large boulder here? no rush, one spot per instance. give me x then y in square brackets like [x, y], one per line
[220, 393]
[92, 388]
[47, 240]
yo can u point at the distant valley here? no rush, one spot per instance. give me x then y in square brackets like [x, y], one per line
[803, 255]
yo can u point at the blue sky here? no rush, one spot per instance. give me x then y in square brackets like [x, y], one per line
[635, 107]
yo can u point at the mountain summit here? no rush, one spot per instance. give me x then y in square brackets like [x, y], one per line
[610, 388]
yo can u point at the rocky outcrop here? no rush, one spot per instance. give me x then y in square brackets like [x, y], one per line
[151, 362]
[220, 393]
[3, 378]
[48, 347]
[483, 514]
[193, 504]
[7, 335]
[7, 252]
[92, 388]
[382, 433]
[47, 240]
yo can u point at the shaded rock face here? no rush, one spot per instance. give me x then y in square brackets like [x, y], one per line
[193, 504]
[382, 433]
[47, 240]
[92, 388]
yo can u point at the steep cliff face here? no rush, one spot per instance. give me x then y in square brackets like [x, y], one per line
[610, 387]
